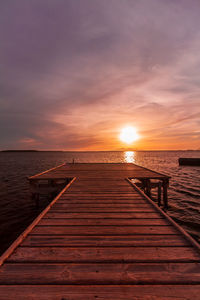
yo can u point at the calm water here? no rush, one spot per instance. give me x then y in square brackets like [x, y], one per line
[17, 210]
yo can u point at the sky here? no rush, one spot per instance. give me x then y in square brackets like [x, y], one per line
[73, 73]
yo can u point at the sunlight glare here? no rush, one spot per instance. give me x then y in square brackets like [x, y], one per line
[128, 135]
[129, 156]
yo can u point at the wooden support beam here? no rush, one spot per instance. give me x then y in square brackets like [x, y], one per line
[165, 194]
[159, 193]
[143, 185]
[148, 187]
[35, 197]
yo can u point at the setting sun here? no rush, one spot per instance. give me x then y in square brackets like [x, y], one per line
[128, 135]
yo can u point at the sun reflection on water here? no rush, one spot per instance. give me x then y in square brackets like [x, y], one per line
[129, 156]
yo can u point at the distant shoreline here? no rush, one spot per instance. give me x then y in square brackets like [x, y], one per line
[122, 150]
[32, 151]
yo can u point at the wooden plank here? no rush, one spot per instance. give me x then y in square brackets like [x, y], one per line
[101, 190]
[127, 273]
[103, 205]
[45, 172]
[113, 194]
[131, 195]
[103, 230]
[104, 254]
[103, 186]
[103, 292]
[109, 185]
[107, 192]
[103, 222]
[96, 215]
[103, 209]
[100, 205]
[103, 201]
[100, 196]
[105, 241]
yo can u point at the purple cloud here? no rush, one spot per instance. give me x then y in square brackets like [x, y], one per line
[83, 69]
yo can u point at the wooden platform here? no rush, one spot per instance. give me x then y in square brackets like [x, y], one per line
[101, 238]
[48, 181]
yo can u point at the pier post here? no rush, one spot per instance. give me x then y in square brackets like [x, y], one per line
[148, 187]
[34, 192]
[37, 198]
[52, 186]
[159, 192]
[143, 185]
[165, 196]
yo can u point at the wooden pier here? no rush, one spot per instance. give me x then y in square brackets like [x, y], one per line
[102, 237]
[50, 181]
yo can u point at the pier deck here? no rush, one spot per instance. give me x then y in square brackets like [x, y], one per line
[101, 238]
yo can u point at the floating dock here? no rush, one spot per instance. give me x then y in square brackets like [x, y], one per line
[102, 237]
[186, 161]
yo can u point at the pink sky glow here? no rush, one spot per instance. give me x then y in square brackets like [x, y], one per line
[75, 72]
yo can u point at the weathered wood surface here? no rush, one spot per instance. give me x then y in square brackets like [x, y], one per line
[149, 240]
[103, 222]
[111, 172]
[102, 171]
[102, 230]
[112, 273]
[104, 209]
[68, 206]
[97, 215]
[103, 239]
[103, 292]
[104, 254]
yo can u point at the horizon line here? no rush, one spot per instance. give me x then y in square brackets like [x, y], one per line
[122, 150]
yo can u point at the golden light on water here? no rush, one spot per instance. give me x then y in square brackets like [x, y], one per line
[129, 157]
[128, 135]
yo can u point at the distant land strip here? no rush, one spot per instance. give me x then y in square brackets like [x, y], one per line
[31, 151]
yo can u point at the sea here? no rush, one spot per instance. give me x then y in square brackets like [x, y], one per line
[18, 210]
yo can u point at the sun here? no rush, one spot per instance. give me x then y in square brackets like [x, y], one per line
[128, 135]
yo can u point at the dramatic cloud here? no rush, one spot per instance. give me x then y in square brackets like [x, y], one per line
[74, 72]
